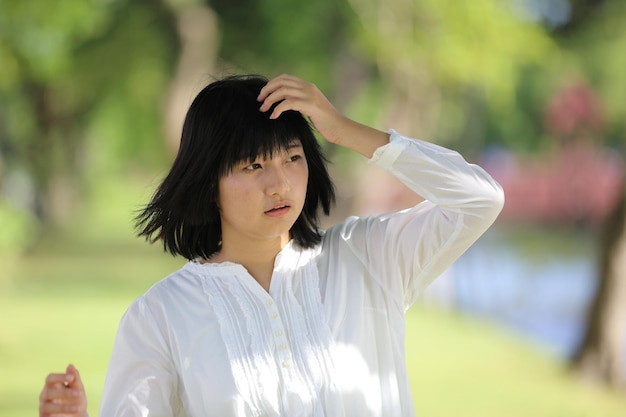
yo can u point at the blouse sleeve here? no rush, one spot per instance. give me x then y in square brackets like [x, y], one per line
[405, 251]
[141, 380]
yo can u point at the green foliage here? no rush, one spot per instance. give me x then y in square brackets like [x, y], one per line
[38, 40]
[82, 82]
[275, 36]
[479, 43]
[17, 230]
[491, 69]
[84, 56]
[125, 123]
[521, 128]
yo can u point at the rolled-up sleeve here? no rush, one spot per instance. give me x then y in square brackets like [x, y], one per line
[406, 250]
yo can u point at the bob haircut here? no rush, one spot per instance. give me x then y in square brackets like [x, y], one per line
[222, 128]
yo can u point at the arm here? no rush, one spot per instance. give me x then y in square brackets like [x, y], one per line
[141, 378]
[416, 245]
[63, 394]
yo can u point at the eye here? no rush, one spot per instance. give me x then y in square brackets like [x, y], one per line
[253, 166]
[294, 158]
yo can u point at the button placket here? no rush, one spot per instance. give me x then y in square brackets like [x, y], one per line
[280, 340]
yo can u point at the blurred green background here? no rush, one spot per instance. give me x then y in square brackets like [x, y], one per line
[530, 321]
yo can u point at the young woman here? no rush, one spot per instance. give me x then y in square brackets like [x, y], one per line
[272, 316]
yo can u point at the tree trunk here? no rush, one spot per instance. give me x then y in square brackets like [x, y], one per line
[601, 354]
[197, 28]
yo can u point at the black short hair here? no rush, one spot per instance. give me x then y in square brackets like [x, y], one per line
[223, 127]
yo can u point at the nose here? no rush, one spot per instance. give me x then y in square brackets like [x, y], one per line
[277, 181]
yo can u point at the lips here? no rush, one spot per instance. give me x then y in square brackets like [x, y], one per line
[278, 209]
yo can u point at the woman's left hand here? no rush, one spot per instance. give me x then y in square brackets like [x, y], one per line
[63, 395]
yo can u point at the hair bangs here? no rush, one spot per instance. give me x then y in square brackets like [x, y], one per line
[262, 137]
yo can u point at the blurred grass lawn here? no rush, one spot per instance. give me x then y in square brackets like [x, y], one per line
[62, 303]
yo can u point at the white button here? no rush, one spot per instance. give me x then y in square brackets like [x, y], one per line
[278, 333]
[274, 315]
[286, 363]
[270, 302]
[282, 347]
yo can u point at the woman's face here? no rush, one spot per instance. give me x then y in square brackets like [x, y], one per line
[262, 199]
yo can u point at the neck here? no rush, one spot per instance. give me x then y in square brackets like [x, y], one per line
[256, 256]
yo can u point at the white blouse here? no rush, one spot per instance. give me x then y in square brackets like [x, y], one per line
[328, 338]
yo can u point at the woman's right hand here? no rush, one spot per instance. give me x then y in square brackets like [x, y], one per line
[291, 93]
[63, 395]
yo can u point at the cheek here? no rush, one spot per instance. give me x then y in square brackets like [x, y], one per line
[231, 199]
[303, 184]
[304, 180]
[227, 195]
